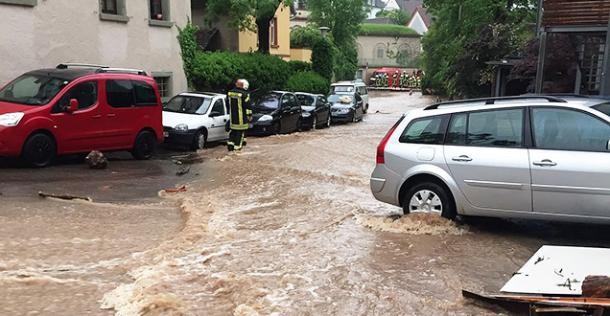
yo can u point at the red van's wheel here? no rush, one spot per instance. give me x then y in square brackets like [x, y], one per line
[144, 146]
[39, 150]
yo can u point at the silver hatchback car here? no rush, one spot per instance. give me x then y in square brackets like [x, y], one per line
[536, 157]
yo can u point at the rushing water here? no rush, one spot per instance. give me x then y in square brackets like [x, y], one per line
[286, 227]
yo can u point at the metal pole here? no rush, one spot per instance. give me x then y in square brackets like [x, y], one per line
[605, 80]
[541, 57]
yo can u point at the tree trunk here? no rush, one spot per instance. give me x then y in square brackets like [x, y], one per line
[263, 35]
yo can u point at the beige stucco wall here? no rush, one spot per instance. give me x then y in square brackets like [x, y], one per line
[248, 41]
[301, 54]
[56, 31]
[367, 49]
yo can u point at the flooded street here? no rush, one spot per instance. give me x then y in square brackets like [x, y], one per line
[286, 227]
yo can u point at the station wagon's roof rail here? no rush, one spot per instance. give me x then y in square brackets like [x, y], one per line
[77, 65]
[490, 101]
[122, 70]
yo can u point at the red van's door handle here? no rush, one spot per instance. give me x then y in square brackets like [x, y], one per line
[111, 115]
[97, 116]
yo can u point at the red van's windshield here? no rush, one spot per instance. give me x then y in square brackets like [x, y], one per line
[32, 89]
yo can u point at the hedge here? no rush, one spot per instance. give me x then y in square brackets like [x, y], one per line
[299, 66]
[309, 82]
[217, 71]
[371, 29]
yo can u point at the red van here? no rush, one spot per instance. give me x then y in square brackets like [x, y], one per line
[77, 108]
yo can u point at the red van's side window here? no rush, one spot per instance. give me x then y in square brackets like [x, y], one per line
[145, 94]
[128, 93]
[119, 93]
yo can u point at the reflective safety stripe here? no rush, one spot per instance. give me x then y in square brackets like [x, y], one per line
[237, 119]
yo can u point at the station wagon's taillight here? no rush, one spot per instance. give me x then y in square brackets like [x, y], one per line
[384, 142]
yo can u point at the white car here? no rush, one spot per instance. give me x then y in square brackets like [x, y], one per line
[193, 119]
[349, 87]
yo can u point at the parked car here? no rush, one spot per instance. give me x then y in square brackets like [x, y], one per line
[77, 108]
[537, 157]
[193, 119]
[316, 110]
[346, 108]
[351, 87]
[277, 112]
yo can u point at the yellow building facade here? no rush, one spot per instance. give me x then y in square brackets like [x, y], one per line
[248, 41]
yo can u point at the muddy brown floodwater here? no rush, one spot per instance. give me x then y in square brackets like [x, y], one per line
[286, 227]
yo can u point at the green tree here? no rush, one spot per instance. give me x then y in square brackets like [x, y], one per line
[251, 15]
[466, 35]
[398, 17]
[322, 58]
[343, 17]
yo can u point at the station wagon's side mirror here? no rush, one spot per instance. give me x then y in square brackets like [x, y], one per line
[215, 114]
[73, 106]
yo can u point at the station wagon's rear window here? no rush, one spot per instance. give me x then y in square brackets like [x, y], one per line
[429, 130]
[500, 128]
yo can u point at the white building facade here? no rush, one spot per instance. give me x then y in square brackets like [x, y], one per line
[120, 33]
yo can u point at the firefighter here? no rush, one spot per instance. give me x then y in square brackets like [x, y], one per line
[240, 110]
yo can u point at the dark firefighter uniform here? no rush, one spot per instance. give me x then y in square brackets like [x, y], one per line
[241, 112]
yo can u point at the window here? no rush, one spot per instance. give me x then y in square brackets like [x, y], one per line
[502, 128]
[119, 93]
[32, 89]
[562, 129]
[85, 93]
[219, 107]
[273, 41]
[145, 93]
[27, 3]
[457, 130]
[604, 108]
[164, 82]
[159, 13]
[113, 10]
[380, 51]
[110, 7]
[429, 130]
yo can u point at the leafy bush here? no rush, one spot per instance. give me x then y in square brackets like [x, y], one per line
[299, 66]
[304, 37]
[217, 71]
[322, 58]
[387, 30]
[187, 37]
[309, 82]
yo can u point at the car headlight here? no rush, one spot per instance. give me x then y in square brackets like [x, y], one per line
[265, 118]
[182, 127]
[306, 114]
[11, 119]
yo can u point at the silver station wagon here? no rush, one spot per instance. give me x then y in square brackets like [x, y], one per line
[536, 157]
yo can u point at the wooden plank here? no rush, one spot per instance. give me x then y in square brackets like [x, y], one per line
[576, 12]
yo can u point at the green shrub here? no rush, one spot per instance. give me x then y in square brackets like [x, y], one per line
[309, 82]
[217, 71]
[304, 37]
[387, 30]
[187, 37]
[299, 66]
[322, 58]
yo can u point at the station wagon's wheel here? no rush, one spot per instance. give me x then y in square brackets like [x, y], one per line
[199, 141]
[328, 121]
[354, 119]
[429, 197]
[144, 146]
[365, 109]
[314, 125]
[39, 150]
